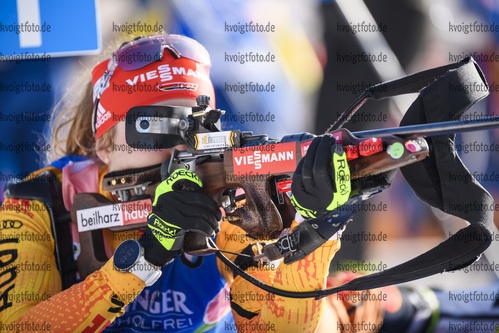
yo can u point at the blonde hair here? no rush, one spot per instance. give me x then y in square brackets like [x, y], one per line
[71, 127]
[71, 124]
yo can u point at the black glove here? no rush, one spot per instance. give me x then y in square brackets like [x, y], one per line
[321, 182]
[179, 206]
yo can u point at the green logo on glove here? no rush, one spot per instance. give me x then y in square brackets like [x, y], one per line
[342, 180]
[176, 176]
[165, 232]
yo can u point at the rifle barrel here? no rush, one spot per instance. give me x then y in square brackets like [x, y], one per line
[433, 129]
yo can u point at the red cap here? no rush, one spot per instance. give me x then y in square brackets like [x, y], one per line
[159, 81]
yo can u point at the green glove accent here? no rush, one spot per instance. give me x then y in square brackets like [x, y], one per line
[175, 180]
[342, 180]
[321, 182]
[164, 232]
[179, 200]
[306, 213]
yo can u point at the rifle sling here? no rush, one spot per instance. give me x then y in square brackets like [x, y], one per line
[446, 96]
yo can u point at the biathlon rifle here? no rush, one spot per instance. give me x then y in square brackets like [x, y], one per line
[250, 175]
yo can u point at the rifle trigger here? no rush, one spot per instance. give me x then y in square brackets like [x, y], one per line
[177, 163]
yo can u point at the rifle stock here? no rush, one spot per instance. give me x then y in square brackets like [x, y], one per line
[251, 169]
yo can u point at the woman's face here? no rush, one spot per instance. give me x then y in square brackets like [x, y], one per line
[120, 156]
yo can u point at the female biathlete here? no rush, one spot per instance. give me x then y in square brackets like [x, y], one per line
[149, 284]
